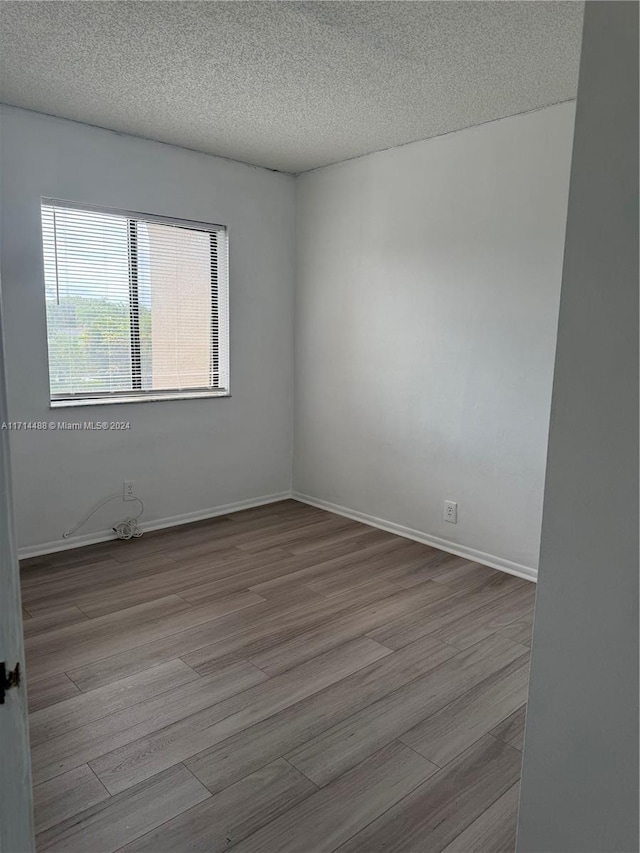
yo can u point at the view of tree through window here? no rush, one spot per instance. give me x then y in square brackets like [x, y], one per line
[133, 306]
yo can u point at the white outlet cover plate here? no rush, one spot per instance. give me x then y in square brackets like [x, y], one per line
[451, 512]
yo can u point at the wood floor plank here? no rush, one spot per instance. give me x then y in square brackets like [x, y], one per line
[140, 657]
[48, 690]
[340, 747]
[262, 540]
[104, 627]
[511, 729]
[41, 571]
[408, 561]
[383, 586]
[53, 620]
[250, 569]
[288, 507]
[435, 615]
[335, 813]
[444, 735]
[338, 630]
[320, 551]
[266, 617]
[341, 583]
[91, 643]
[84, 554]
[154, 549]
[57, 590]
[284, 623]
[225, 637]
[65, 796]
[236, 534]
[488, 619]
[355, 533]
[253, 569]
[373, 559]
[174, 580]
[432, 815]
[431, 568]
[138, 760]
[184, 669]
[222, 821]
[85, 708]
[75, 568]
[217, 531]
[520, 631]
[494, 831]
[111, 824]
[241, 754]
[101, 736]
[469, 575]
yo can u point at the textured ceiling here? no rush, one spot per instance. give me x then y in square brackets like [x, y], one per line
[288, 85]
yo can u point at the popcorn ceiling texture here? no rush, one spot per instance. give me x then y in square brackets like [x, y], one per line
[288, 85]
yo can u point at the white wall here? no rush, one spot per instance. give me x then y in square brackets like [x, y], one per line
[579, 791]
[427, 296]
[185, 456]
[428, 282]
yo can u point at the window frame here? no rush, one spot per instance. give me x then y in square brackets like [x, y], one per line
[137, 394]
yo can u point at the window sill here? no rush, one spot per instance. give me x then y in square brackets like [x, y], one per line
[142, 398]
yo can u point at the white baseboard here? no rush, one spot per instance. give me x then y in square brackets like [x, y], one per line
[472, 554]
[224, 509]
[158, 524]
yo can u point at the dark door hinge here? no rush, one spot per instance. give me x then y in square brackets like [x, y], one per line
[8, 679]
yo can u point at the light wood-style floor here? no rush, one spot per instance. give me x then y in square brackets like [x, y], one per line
[280, 680]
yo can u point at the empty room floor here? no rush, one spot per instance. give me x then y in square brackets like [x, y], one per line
[279, 679]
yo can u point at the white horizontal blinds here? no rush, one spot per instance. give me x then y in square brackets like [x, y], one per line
[87, 296]
[175, 285]
[220, 309]
[170, 286]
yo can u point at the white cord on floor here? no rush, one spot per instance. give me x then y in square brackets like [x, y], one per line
[127, 529]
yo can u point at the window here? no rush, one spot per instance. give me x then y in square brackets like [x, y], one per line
[137, 306]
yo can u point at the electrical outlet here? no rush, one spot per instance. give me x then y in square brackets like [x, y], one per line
[127, 490]
[451, 512]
